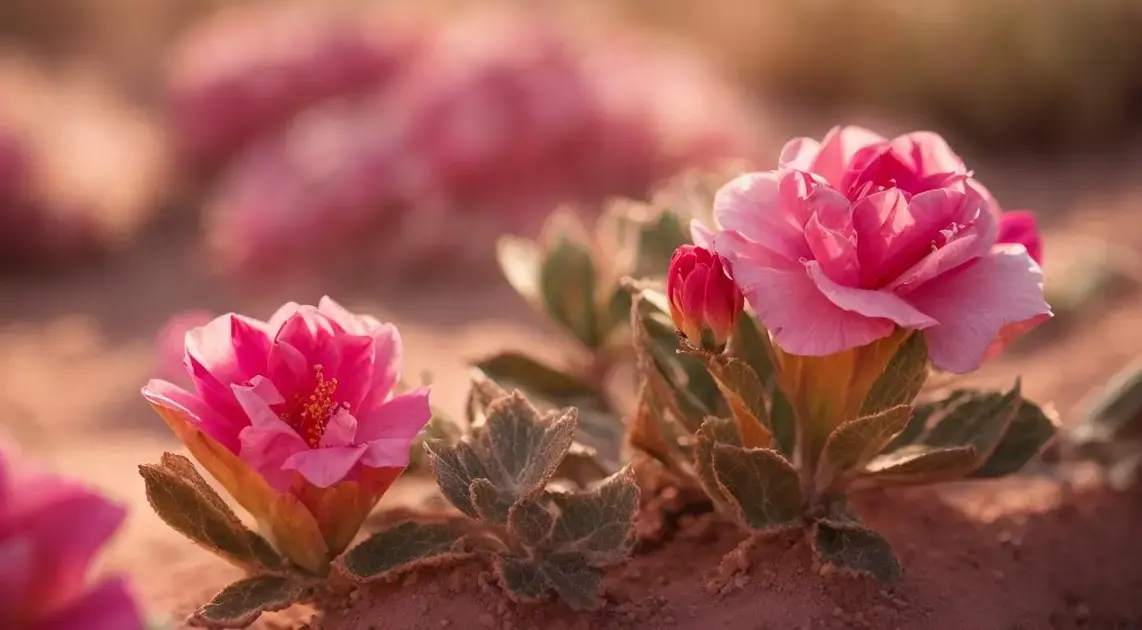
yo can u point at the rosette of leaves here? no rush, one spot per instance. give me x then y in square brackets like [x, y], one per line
[1110, 432]
[187, 503]
[540, 541]
[736, 434]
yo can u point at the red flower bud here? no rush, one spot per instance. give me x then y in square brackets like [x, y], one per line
[705, 303]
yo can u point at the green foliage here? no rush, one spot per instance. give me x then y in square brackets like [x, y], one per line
[241, 603]
[1110, 431]
[401, 548]
[185, 502]
[734, 432]
[541, 540]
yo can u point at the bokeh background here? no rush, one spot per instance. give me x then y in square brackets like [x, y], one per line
[188, 157]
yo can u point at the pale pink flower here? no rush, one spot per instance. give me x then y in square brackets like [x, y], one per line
[50, 532]
[856, 236]
[299, 409]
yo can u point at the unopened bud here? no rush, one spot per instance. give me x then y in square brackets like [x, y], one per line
[705, 303]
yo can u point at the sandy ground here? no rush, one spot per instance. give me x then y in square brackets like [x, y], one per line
[1021, 553]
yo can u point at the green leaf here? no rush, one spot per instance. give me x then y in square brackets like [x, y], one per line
[918, 464]
[241, 603]
[979, 421]
[185, 502]
[855, 443]
[653, 431]
[600, 429]
[923, 413]
[1029, 432]
[1115, 411]
[574, 581]
[530, 522]
[439, 427]
[664, 368]
[567, 281]
[492, 504]
[902, 379]
[714, 431]
[522, 579]
[484, 390]
[657, 241]
[519, 260]
[854, 547]
[524, 447]
[762, 485]
[400, 548]
[751, 343]
[743, 392]
[455, 468]
[598, 524]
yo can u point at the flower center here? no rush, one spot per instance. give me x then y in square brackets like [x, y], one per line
[311, 415]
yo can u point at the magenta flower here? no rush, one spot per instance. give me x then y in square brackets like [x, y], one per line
[857, 236]
[50, 531]
[298, 419]
[704, 301]
[1020, 226]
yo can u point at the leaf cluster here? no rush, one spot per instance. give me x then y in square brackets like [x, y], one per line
[187, 503]
[1110, 429]
[540, 540]
[723, 422]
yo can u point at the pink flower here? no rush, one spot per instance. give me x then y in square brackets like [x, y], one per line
[50, 531]
[297, 416]
[1020, 226]
[704, 301]
[858, 235]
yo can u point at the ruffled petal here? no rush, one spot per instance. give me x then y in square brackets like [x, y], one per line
[324, 467]
[402, 417]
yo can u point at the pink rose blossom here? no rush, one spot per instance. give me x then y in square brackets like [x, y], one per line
[858, 235]
[50, 531]
[1020, 226]
[299, 409]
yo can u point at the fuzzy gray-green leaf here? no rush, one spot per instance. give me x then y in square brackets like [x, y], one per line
[573, 580]
[902, 379]
[751, 344]
[854, 547]
[401, 548]
[598, 524]
[524, 447]
[185, 502]
[918, 464]
[979, 421]
[530, 522]
[567, 284]
[522, 578]
[855, 443]
[241, 603]
[1029, 432]
[714, 431]
[762, 485]
[455, 467]
[492, 504]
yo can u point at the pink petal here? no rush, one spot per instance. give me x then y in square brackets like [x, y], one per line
[211, 346]
[212, 390]
[736, 249]
[754, 206]
[251, 346]
[387, 453]
[1021, 226]
[256, 399]
[341, 430]
[109, 606]
[974, 302]
[287, 367]
[831, 237]
[324, 467]
[350, 322]
[354, 369]
[266, 449]
[67, 525]
[700, 234]
[837, 151]
[869, 303]
[802, 320]
[798, 154]
[17, 566]
[975, 240]
[280, 316]
[929, 152]
[694, 291]
[222, 426]
[388, 364]
[310, 334]
[402, 417]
